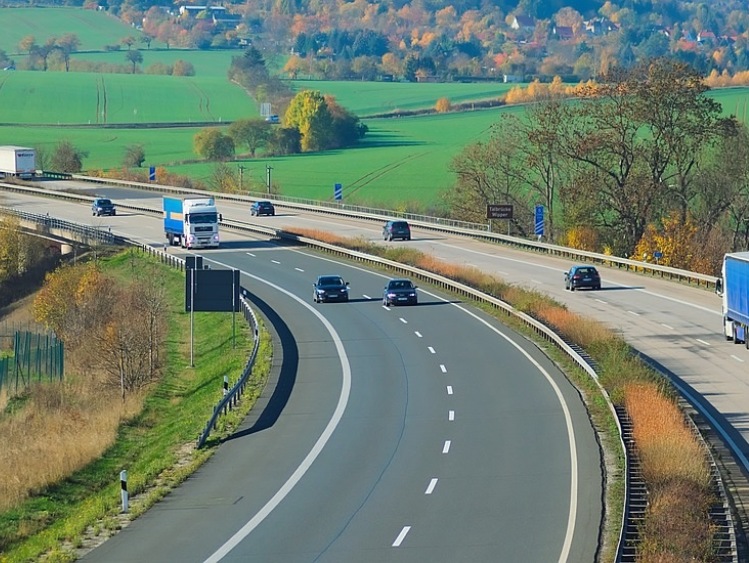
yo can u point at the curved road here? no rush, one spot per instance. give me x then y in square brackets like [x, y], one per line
[421, 433]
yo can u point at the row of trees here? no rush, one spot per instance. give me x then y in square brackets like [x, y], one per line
[110, 326]
[643, 153]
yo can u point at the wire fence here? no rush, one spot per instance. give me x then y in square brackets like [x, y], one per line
[27, 357]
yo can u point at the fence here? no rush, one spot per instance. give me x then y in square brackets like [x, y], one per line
[34, 357]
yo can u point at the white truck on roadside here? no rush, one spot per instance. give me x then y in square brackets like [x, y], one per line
[17, 161]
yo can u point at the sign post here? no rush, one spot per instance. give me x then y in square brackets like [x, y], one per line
[338, 192]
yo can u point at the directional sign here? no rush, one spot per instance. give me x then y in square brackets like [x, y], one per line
[498, 211]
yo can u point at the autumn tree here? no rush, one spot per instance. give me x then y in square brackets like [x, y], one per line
[128, 41]
[66, 45]
[212, 144]
[18, 251]
[27, 44]
[442, 105]
[66, 157]
[183, 68]
[135, 156]
[252, 133]
[309, 113]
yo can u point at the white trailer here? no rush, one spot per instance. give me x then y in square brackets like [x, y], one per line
[17, 161]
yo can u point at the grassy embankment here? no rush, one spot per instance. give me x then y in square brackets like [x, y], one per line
[65, 444]
[674, 464]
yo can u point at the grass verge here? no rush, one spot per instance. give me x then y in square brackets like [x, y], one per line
[155, 444]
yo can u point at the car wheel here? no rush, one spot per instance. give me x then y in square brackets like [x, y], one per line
[597, 288]
[390, 238]
[572, 287]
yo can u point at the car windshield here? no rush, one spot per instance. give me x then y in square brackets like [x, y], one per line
[400, 284]
[196, 218]
[330, 281]
[105, 202]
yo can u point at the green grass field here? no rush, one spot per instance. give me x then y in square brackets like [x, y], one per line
[32, 97]
[94, 29]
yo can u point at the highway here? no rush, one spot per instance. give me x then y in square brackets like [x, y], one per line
[402, 434]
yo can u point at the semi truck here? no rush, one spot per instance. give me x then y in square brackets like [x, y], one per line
[735, 294]
[17, 161]
[191, 222]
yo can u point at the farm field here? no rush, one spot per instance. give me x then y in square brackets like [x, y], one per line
[94, 29]
[371, 98]
[32, 97]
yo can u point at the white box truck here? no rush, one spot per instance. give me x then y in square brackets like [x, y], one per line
[17, 161]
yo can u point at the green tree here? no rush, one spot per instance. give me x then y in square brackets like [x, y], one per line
[212, 144]
[66, 45]
[67, 158]
[134, 57]
[135, 156]
[252, 133]
[285, 140]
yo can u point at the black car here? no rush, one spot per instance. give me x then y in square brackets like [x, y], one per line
[330, 288]
[396, 229]
[103, 206]
[582, 276]
[399, 292]
[262, 208]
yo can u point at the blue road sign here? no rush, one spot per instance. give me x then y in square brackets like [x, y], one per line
[338, 192]
[152, 174]
[539, 220]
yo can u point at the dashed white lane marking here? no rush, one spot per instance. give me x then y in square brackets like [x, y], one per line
[251, 254]
[446, 447]
[418, 334]
[669, 327]
[366, 296]
[430, 488]
[451, 415]
[431, 350]
[449, 389]
[601, 301]
[537, 282]
[402, 536]
[275, 261]
[404, 321]
[298, 269]
[633, 313]
[702, 342]
[443, 368]
[737, 358]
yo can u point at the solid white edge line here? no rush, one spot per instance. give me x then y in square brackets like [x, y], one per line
[343, 398]
[399, 540]
[431, 486]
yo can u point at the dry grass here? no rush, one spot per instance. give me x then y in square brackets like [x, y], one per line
[666, 444]
[79, 423]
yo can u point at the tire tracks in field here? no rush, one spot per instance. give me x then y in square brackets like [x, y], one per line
[101, 101]
[380, 172]
[204, 101]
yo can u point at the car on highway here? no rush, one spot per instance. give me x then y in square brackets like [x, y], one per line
[396, 229]
[330, 288]
[399, 291]
[262, 208]
[103, 206]
[582, 276]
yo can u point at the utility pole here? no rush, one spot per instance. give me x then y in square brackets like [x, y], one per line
[241, 175]
[268, 169]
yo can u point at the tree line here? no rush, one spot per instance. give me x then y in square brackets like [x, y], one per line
[641, 163]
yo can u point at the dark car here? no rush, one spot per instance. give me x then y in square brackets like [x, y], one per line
[396, 229]
[262, 208]
[399, 292]
[103, 206]
[582, 276]
[330, 288]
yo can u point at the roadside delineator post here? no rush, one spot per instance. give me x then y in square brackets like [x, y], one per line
[123, 487]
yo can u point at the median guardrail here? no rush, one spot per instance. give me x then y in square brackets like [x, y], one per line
[438, 224]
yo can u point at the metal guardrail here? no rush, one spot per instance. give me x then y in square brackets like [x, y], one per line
[473, 230]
